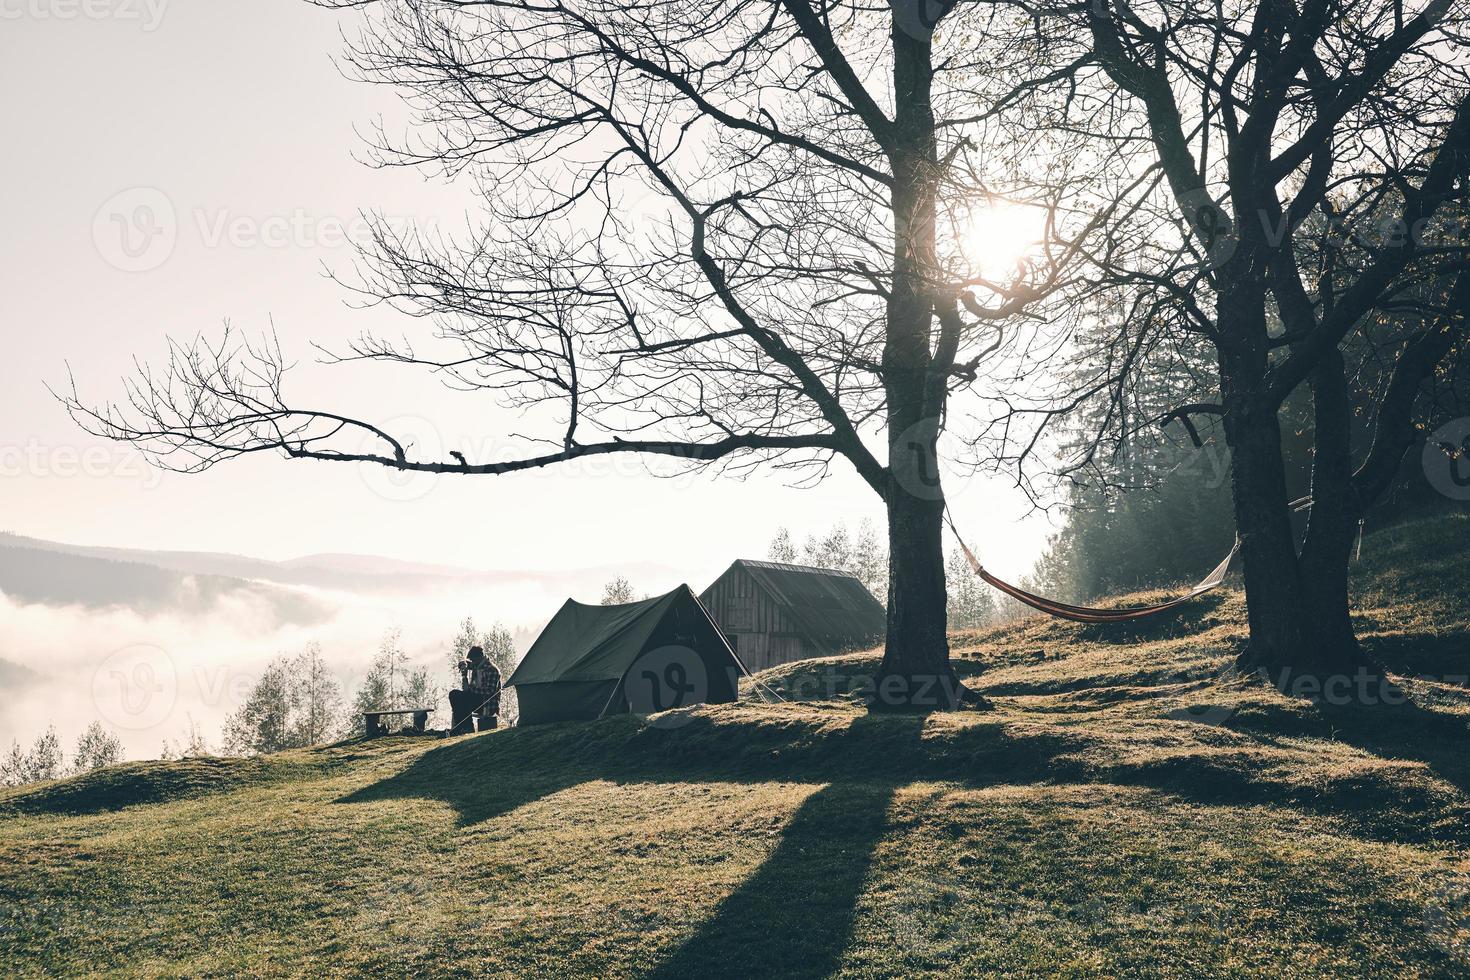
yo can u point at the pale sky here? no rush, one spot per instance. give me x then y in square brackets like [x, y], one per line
[234, 119]
[168, 167]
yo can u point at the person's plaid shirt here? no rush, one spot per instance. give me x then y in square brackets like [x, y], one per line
[483, 680]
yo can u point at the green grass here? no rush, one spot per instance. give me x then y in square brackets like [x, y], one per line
[1123, 811]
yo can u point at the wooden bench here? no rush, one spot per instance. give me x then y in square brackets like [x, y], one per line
[372, 720]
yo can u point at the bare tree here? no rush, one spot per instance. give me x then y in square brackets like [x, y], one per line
[316, 697]
[96, 748]
[781, 548]
[44, 761]
[725, 232]
[617, 592]
[1310, 154]
[192, 745]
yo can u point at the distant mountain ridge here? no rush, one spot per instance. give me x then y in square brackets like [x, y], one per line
[55, 573]
[63, 578]
[351, 572]
[318, 571]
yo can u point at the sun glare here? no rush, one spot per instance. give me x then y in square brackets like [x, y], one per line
[999, 236]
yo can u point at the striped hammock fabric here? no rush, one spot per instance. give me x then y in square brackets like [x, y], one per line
[1093, 614]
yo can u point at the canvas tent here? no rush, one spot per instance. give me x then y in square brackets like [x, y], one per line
[646, 656]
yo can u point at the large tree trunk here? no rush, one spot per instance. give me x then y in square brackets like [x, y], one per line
[1273, 587]
[915, 674]
[1332, 523]
[1275, 600]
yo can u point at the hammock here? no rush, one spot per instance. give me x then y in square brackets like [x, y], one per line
[1093, 614]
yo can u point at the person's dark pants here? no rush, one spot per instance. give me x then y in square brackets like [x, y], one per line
[462, 705]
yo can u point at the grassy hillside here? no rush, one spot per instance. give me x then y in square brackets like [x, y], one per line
[1123, 811]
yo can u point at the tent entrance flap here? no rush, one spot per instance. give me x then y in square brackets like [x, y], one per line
[668, 677]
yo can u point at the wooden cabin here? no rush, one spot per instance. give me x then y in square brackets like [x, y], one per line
[772, 613]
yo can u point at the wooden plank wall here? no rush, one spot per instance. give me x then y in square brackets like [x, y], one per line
[755, 625]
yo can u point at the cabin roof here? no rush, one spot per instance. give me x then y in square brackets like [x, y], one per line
[827, 605]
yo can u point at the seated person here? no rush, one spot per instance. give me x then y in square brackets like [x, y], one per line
[479, 696]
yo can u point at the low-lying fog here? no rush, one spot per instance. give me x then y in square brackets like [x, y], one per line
[149, 643]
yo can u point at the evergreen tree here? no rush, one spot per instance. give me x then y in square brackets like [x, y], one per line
[866, 558]
[970, 602]
[1147, 507]
[832, 550]
[870, 560]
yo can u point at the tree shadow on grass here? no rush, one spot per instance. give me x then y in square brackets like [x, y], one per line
[1383, 724]
[1391, 723]
[484, 777]
[794, 916]
[1445, 656]
[1411, 732]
